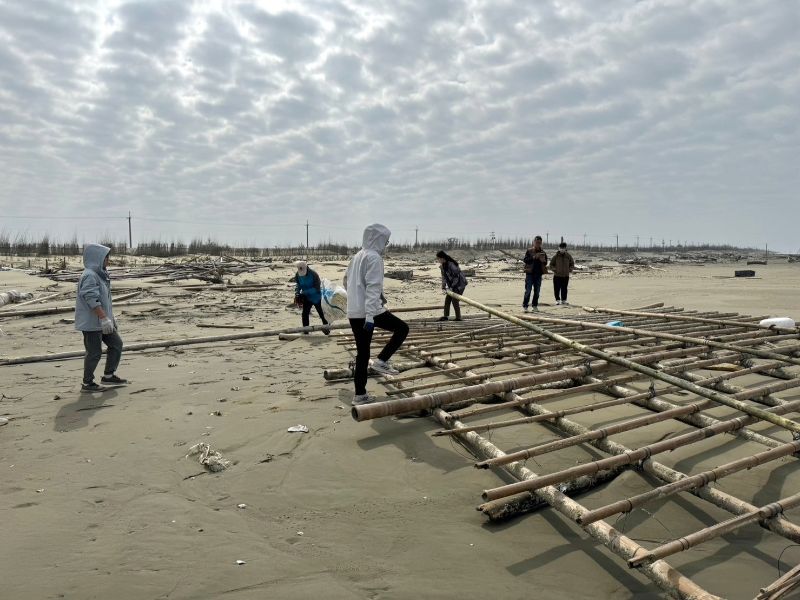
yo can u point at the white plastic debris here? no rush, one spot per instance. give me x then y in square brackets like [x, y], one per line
[298, 429]
[780, 322]
[241, 505]
[240, 562]
[300, 533]
[13, 296]
[3, 421]
[210, 459]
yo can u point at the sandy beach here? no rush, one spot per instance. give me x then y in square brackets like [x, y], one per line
[97, 498]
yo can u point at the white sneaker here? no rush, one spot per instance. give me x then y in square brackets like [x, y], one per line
[534, 309]
[360, 399]
[564, 303]
[384, 368]
[558, 302]
[525, 309]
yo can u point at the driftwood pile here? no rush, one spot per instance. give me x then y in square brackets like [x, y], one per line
[213, 270]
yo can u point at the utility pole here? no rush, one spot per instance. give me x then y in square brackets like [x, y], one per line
[617, 235]
[766, 252]
[562, 239]
[130, 234]
[584, 241]
[548, 238]
[651, 242]
[637, 242]
[416, 236]
[662, 245]
[306, 238]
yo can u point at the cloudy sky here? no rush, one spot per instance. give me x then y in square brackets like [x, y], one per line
[676, 119]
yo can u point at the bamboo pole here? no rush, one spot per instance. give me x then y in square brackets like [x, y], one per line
[628, 364]
[661, 573]
[694, 481]
[42, 299]
[781, 586]
[635, 456]
[578, 389]
[606, 404]
[635, 423]
[636, 313]
[697, 419]
[404, 405]
[664, 335]
[512, 506]
[135, 346]
[223, 326]
[779, 525]
[698, 537]
[33, 312]
[445, 397]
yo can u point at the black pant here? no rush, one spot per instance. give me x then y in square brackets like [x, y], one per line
[92, 342]
[560, 287]
[456, 307]
[307, 304]
[363, 338]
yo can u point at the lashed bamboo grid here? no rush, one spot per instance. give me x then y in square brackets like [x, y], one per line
[522, 379]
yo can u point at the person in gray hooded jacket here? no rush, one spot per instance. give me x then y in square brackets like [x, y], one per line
[94, 317]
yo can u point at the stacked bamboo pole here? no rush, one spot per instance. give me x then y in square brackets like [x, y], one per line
[731, 341]
[628, 364]
[661, 573]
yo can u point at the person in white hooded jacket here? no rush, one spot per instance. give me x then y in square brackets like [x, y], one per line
[365, 310]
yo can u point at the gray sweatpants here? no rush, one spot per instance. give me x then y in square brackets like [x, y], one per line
[92, 341]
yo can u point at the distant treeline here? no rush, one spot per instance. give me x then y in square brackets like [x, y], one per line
[22, 245]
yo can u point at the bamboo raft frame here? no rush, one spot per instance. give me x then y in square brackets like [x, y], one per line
[475, 369]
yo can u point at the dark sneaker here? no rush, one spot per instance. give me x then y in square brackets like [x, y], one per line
[444, 318]
[91, 387]
[113, 379]
[326, 331]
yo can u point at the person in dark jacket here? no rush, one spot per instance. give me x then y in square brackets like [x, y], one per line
[452, 279]
[535, 264]
[308, 292]
[562, 264]
[94, 317]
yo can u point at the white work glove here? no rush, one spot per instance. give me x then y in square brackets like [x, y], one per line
[107, 326]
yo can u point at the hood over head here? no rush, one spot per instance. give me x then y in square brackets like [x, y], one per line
[302, 267]
[376, 237]
[94, 255]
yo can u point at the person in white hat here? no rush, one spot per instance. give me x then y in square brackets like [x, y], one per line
[308, 292]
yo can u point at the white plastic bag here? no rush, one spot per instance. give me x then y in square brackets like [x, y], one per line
[334, 301]
[779, 322]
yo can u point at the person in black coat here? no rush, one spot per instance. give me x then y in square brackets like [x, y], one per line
[452, 279]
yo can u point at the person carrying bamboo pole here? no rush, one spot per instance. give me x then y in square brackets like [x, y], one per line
[535, 266]
[562, 265]
[308, 293]
[94, 317]
[452, 279]
[365, 310]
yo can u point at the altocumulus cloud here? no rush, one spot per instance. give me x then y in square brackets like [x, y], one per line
[240, 120]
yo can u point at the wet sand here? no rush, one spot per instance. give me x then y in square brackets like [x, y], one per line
[98, 501]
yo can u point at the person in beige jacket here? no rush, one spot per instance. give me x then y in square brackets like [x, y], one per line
[562, 265]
